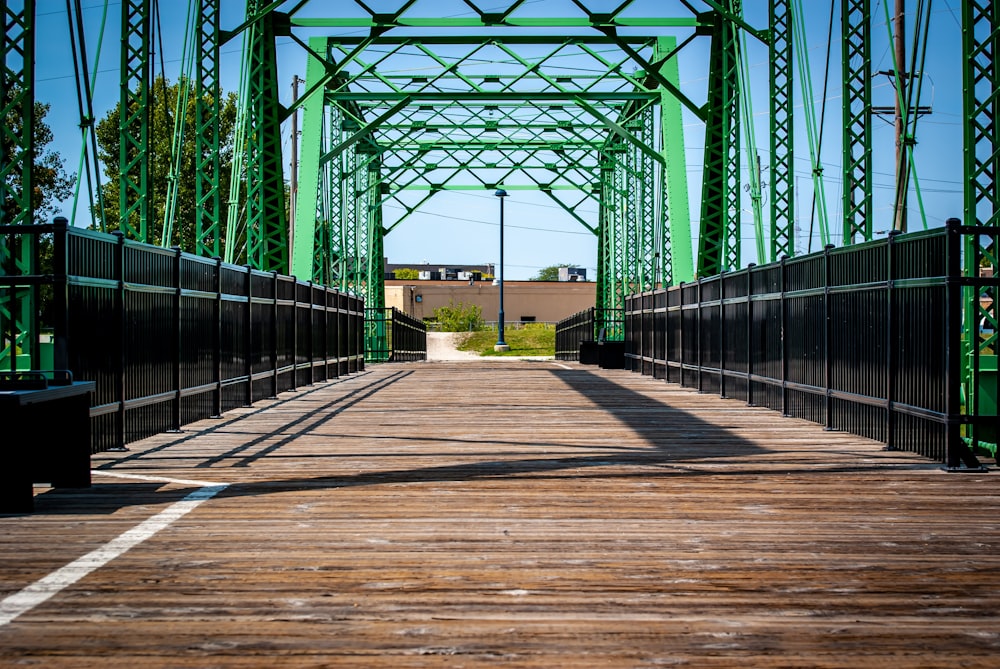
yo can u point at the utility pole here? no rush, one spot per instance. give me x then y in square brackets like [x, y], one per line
[902, 164]
[293, 188]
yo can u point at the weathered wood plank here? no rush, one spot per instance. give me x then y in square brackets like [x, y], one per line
[464, 514]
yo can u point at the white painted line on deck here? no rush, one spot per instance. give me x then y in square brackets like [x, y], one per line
[557, 364]
[48, 586]
[156, 479]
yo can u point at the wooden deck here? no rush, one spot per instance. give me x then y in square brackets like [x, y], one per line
[523, 514]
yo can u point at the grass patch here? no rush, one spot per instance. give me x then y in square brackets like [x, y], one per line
[533, 340]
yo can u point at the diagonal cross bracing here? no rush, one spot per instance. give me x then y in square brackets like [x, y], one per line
[424, 105]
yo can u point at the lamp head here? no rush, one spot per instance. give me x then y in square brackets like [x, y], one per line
[500, 192]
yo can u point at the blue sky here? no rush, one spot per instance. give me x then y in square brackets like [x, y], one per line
[462, 227]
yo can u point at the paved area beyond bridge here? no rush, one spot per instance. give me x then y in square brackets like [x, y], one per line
[510, 513]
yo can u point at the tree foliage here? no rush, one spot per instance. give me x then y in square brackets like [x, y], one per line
[51, 182]
[459, 317]
[406, 274]
[163, 104]
[550, 273]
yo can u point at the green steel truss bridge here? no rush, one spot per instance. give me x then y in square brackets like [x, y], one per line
[579, 100]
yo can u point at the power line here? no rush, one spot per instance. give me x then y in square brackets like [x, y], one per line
[493, 223]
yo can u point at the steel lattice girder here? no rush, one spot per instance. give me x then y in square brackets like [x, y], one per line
[857, 105]
[208, 227]
[17, 310]
[522, 121]
[133, 120]
[980, 47]
[266, 230]
[719, 241]
[782, 172]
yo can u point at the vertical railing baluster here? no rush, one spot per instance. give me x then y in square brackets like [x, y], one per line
[274, 335]
[891, 341]
[248, 335]
[827, 339]
[722, 333]
[749, 335]
[783, 328]
[177, 336]
[217, 352]
[121, 389]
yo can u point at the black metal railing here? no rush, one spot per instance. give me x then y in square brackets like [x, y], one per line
[590, 325]
[865, 339]
[171, 338]
[572, 331]
[394, 336]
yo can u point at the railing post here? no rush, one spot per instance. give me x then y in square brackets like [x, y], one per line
[891, 337]
[295, 333]
[274, 337]
[782, 308]
[176, 403]
[312, 333]
[827, 339]
[749, 337]
[326, 332]
[248, 335]
[217, 359]
[722, 334]
[60, 293]
[697, 333]
[957, 450]
[680, 337]
[121, 390]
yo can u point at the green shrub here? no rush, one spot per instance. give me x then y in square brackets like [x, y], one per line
[460, 317]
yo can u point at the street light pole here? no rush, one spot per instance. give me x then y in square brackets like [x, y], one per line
[501, 345]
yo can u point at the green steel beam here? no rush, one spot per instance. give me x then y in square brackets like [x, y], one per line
[364, 132]
[16, 174]
[857, 112]
[307, 203]
[626, 135]
[133, 121]
[676, 253]
[267, 232]
[782, 131]
[208, 194]
[732, 53]
[391, 116]
[18, 323]
[527, 22]
[981, 93]
[527, 96]
[719, 240]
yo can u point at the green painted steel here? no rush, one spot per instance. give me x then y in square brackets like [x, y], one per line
[208, 196]
[676, 253]
[719, 238]
[266, 227]
[547, 112]
[133, 120]
[857, 111]
[311, 224]
[981, 86]
[17, 309]
[782, 130]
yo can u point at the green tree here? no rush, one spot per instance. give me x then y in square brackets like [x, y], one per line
[406, 274]
[51, 183]
[163, 104]
[550, 273]
[459, 317]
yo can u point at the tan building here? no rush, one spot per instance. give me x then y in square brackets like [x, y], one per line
[541, 301]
